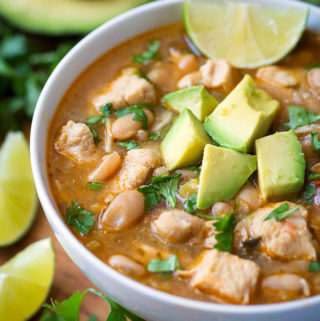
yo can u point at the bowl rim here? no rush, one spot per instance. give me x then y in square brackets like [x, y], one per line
[55, 218]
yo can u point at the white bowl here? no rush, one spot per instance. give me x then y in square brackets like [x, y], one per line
[151, 304]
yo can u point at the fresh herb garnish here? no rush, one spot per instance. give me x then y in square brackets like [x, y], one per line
[281, 212]
[68, 310]
[95, 186]
[97, 139]
[169, 265]
[141, 75]
[138, 112]
[163, 187]
[105, 110]
[312, 66]
[312, 176]
[299, 117]
[150, 54]
[129, 144]
[192, 168]
[226, 227]
[190, 204]
[314, 266]
[309, 193]
[79, 218]
[315, 144]
[154, 136]
[207, 217]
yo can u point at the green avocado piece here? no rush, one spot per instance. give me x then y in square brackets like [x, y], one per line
[223, 173]
[243, 116]
[281, 164]
[197, 99]
[184, 143]
[63, 16]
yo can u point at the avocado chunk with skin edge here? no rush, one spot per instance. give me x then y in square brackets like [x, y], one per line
[196, 98]
[281, 164]
[57, 17]
[245, 115]
[223, 173]
[184, 143]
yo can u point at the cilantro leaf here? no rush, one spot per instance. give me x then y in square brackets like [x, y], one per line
[129, 144]
[106, 109]
[154, 136]
[79, 218]
[315, 144]
[314, 266]
[299, 117]
[309, 193]
[138, 112]
[14, 47]
[312, 176]
[141, 75]
[169, 265]
[281, 212]
[150, 54]
[226, 227]
[95, 186]
[190, 204]
[96, 137]
[207, 217]
[96, 119]
[313, 65]
[163, 187]
[68, 310]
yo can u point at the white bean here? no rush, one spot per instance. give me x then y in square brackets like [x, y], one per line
[126, 265]
[221, 209]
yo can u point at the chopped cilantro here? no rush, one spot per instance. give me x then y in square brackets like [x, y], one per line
[312, 66]
[309, 193]
[105, 111]
[79, 218]
[314, 266]
[138, 112]
[207, 217]
[68, 310]
[299, 117]
[95, 186]
[226, 227]
[281, 212]
[96, 137]
[193, 168]
[169, 265]
[315, 144]
[141, 75]
[312, 176]
[150, 54]
[154, 136]
[163, 187]
[190, 204]
[129, 144]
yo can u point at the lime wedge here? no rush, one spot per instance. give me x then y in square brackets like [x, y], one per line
[25, 281]
[18, 197]
[247, 35]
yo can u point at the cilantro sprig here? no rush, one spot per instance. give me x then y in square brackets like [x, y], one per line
[314, 266]
[97, 139]
[154, 136]
[80, 219]
[141, 75]
[105, 111]
[281, 212]
[312, 176]
[190, 204]
[129, 144]
[309, 193]
[95, 186]
[68, 310]
[299, 117]
[170, 264]
[312, 66]
[161, 188]
[315, 143]
[150, 54]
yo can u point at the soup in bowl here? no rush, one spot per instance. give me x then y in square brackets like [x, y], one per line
[182, 186]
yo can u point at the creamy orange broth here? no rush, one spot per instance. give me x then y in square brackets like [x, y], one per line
[68, 179]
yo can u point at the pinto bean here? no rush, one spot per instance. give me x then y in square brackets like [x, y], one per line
[107, 168]
[188, 63]
[248, 194]
[221, 209]
[125, 127]
[124, 211]
[126, 265]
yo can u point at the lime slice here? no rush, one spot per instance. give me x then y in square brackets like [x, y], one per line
[18, 197]
[247, 35]
[25, 281]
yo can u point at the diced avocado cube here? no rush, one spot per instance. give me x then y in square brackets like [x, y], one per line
[223, 173]
[197, 99]
[281, 164]
[243, 116]
[184, 143]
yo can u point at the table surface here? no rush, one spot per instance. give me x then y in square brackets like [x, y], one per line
[68, 278]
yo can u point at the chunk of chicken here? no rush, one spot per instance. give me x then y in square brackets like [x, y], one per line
[126, 90]
[279, 76]
[314, 79]
[287, 239]
[218, 74]
[76, 141]
[138, 164]
[125, 210]
[224, 276]
[126, 265]
[107, 168]
[177, 226]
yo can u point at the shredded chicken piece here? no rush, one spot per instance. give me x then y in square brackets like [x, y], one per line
[278, 75]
